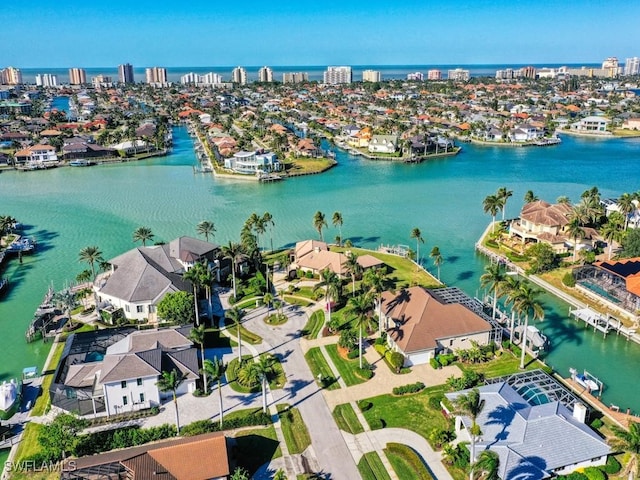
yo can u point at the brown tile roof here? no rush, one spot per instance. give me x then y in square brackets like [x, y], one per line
[543, 213]
[368, 261]
[422, 320]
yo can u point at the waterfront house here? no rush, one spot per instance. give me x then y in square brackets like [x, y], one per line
[525, 133]
[116, 370]
[253, 163]
[421, 323]
[141, 277]
[383, 144]
[41, 155]
[616, 282]
[201, 457]
[591, 124]
[532, 441]
[314, 256]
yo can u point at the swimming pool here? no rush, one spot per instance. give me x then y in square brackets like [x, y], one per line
[94, 357]
[595, 288]
[533, 394]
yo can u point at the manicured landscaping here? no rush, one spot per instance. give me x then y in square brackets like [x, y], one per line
[43, 401]
[276, 381]
[348, 369]
[406, 463]
[29, 445]
[371, 467]
[294, 430]
[313, 325]
[305, 165]
[414, 412]
[255, 447]
[249, 303]
[297, 301]
[504, 364]
[275, 319]
[346, 419]
[247, 335]
[320, 368]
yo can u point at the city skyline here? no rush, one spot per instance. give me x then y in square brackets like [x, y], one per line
[309, 33]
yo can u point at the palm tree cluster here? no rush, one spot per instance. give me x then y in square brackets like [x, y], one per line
[7, 223]
[435, 254]
[492, 204]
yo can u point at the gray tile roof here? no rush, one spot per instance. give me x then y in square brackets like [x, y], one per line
[116, 368]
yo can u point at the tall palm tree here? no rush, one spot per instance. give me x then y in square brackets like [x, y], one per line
[337, 221]
[197, 335]
[503, 194]
[319, 222]
[491, 205]
[611, 233]
[332, 285]
[488, 465]
[91, 255]
[354, 269]
[628, 441]
[170, 382]
[67, 300]
[375, 278]
[511, 286]
[236, 315]
[216, 369]
[232, 252]
[206, 280]
[626, 205]
[525, 301]
[437, 258]
[575, 231]
[530, 197]
[264, 369]
[267, 299]
[267, 220]
[143, 234]
[194, 275]
[564, 200]
[360, 308]
[494, 277]
[471, 404]
[206, 228]
[417, 234]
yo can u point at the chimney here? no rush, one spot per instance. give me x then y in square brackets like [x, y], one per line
[579, 412]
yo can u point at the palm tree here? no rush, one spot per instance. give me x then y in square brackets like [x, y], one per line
[333, 287]
[374, 278]
[417, 234]
[194, 275]
[267, 220]
[170, 382]
[504, 194]
[575, 231]
[525, 301]
[611, 232]
[264, 369]
[91, 255]
[67, 300]
[197, 335]
[319, 222]
[511, 286]
[337, 221]
[564, 200]
[360, 307]
[143, 234]
[354, 269]
[236, 315]
[216, 369]
[437, 258]
[267, 299]
[232, 252]
[530, 197]
[626, 205]
[84, 276]
[628, 441]
[494, 277]
[206, 228]
[471, 404]
[491, 205]
[488, 464]
[206, 280]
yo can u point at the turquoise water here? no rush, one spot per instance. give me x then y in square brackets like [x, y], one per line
[70, 208]
[600, 291]
[533, 394]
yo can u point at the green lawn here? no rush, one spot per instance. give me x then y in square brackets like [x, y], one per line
[406, 463]
[314, 325]
[256, 447]
[412, 412]
[297, 301]
[371, 467]
[505, 364]
[42, 402]
[320, 367]
[346, 419]
[29, 445]
[308, 292]
[250, 303]
[346, 368]
[247, 335]
[294, 430]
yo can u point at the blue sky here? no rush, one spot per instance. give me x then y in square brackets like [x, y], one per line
[63, 33]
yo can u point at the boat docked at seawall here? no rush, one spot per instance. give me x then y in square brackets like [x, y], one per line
[535, 338]
[81, 162]
[8, 396]
[21, 245]
[38, 165]
[586, 380]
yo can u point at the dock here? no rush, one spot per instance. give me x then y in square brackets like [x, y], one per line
[599, 322]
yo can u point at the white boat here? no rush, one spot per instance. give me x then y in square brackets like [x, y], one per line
[8, 395]
[81, 162]
[586, 380]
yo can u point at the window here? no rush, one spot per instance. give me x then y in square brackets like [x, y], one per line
[139, 382]
[152, 308]
[125, 400]
[126, 308]
[123, 384]
[142, 398]
[140, 308]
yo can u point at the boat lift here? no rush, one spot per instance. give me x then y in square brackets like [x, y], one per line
[590, 382]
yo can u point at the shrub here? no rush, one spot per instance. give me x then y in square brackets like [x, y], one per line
[446, 359]
[439, 436]
[569, 280]
[353, 354]
[407, 389]
[309, 274]
[434, 402]
[593, 473]
[574, 476]
[348, 339]
[381, 349]
[396, 360]
[364, 405]
[434, 363]
[612, 466]
[597, 423]
[365, 372]
[380, 342]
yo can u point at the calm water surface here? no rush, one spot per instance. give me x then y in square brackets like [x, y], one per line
[69, 208]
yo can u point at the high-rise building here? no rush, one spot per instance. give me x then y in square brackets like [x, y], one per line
[419, 76]
[77, 76]
[190, 78]
[46, 80]
[610, 67]
[211, 79]
[434, 74]
[125, 73]
[239, 75]
[156, 75]
[371, 76]
[632, 66]
[528, 72]
[336, 75]
[458, 75]
[295, 77]
[265, 74]
[10, 76]
[100, 81]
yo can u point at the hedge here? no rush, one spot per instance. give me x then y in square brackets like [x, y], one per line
[407, 389]
[206, 426]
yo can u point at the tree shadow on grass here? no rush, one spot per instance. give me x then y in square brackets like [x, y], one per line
[252, 451]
